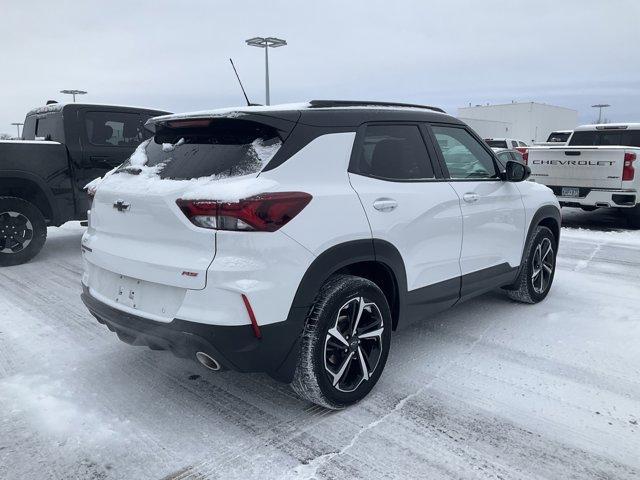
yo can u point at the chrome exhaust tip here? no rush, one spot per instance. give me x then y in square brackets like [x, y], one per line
[208, 361]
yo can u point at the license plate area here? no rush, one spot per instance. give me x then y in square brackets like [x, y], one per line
[129, 291]
[570, 192]
[148, 298]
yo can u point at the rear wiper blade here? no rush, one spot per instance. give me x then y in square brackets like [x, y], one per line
[131, 170]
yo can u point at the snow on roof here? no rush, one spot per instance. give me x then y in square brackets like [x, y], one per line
[54, 107]
[230, 112]
[607, 126]
[32, 142]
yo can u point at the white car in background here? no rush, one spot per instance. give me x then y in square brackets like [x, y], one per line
[596, 169]
[502, 143]
[293, 239]
[556, 138]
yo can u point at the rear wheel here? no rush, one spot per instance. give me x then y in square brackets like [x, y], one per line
[345, 343]
[23, 231]
[536, 275]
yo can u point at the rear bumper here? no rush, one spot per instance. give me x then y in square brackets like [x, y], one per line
[590, 197]
[234, 347]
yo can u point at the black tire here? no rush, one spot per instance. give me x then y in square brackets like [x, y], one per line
[633, 216]
[527, 286]
[312, 379]
[23, 231]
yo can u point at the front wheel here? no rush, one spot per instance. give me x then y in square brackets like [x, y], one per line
[345, 343]
[537, 272]
[23, 231]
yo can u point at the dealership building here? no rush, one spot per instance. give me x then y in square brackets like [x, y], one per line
[530, 122]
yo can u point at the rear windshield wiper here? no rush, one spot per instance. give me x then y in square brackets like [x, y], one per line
[129, 169]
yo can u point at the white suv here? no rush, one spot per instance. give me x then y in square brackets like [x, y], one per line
[293, 239]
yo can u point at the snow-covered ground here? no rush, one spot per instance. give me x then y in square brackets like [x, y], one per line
[489, 389]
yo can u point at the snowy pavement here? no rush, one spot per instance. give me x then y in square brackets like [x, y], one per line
[489, 389]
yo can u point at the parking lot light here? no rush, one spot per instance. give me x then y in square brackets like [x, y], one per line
[266, 42]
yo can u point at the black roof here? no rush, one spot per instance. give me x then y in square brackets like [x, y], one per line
[344, 113]
[324, 113]
[59, 107]
[365, 103]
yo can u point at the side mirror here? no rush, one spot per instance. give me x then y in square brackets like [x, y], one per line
[516, 172]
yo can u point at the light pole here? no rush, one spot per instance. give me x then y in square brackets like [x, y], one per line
[18, 125]
[600, 106]
[266, 42]
[74, 93]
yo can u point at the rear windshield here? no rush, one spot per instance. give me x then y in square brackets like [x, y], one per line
[496, 143]
[627, 138]
[558, 137]
[225, 148]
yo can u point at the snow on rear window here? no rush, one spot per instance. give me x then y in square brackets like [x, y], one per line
[230, 148]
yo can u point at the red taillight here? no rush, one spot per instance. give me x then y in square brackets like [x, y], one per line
[525, 156]
[263, 213]
[91, 192]
[628, 172]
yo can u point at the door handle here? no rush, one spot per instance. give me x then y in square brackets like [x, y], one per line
[385, 204]
[470, 197]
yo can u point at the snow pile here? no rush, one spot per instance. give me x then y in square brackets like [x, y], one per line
[170, 147]
[53, 410]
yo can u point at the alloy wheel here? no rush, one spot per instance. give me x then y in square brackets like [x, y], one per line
[353, 345]
[542, 266]
[16, 232]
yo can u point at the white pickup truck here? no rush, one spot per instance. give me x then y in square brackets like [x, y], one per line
[594, 169]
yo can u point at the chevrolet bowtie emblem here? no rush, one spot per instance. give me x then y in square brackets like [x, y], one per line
[121, 206]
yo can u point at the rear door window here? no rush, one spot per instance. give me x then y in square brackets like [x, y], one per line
[205, 148]
[116, 129]
[394, 152]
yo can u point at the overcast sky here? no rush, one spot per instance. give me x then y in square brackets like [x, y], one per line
[173, 55]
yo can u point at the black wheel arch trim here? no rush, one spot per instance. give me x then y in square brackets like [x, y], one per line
[544, 214]
[325, 265]
[40, 184]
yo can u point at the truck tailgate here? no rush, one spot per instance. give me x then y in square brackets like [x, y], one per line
[598, 167]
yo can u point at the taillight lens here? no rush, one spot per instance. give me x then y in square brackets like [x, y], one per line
[628, 172]
[91, 193]
[262, 213]
[525, 157]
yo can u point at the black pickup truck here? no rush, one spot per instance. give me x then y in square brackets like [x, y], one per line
[42, 176]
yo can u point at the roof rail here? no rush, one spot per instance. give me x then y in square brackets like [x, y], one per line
[363, 103]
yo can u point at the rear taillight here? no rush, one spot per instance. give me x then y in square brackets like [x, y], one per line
[628, 172]
[525, 157]
[91, 193]
[263, 213]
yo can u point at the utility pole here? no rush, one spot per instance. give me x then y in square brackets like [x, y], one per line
[266, 43]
